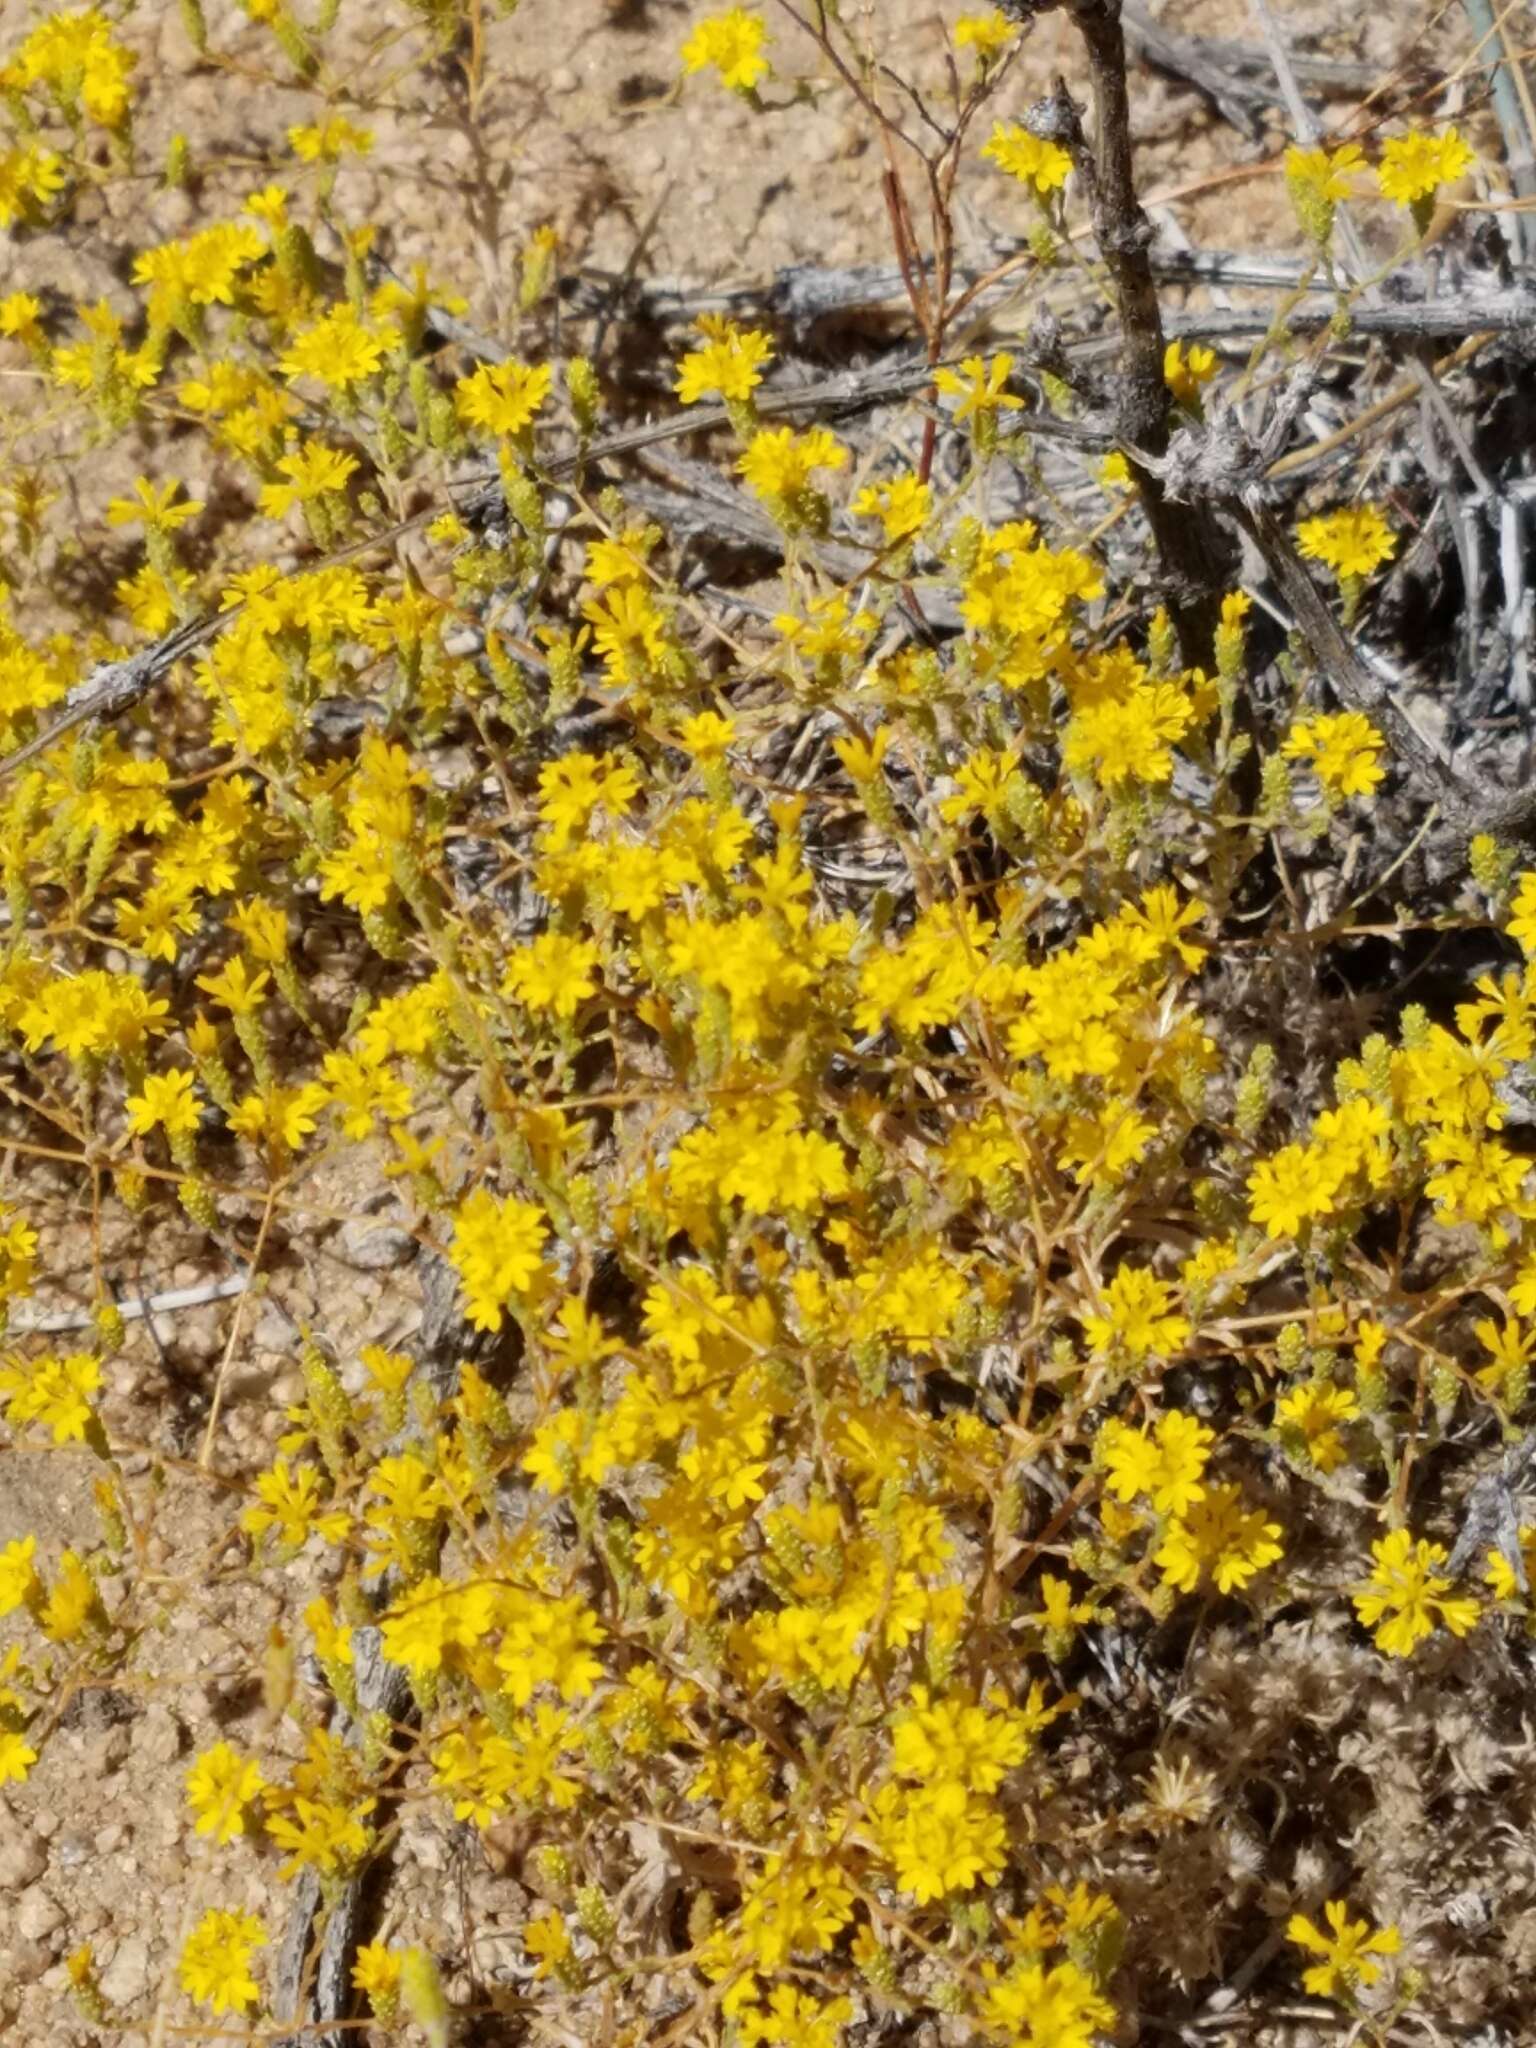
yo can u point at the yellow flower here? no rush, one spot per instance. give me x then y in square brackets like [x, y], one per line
[549, 1939]
[29, 178]
[779, 462]
[987, 34]
[1351, 542]
[289, 1500]
[504, 398]
[1343, 749]
[329, 140]
[1043, 166]
[707, 735]
[215, 1961]
[939, 1838]
[75, 56]
[1036, 2006]
[1317, 180]
[1522, 929]
[1346, 1949]
[19, 1583]
[321, 1834]
[861, 758]
[1509, 1348]
[1166, 1466]
[1289, 1190]
[791, 2016]
[1115, 472]
[376, 1973]
[1416, 165]
[281, 1117]
[73, 1605]
[1186, 372]
[21, 316]
[979, 386]
[902, 506]
[269, 205]
[1128, 738]
[151, 598]
[555, 971]
[1311, 1417]
[732, 43]
[1327, 173]
[497, 1251]
[729, 366]
[338, 351]
[221, 1786]
[17, 1757]
[1220, 1537]
[235, 988]
[1500, 1574]
[1403, 1598]
[168, 1099]
[313, 471]
[154, 505]
[577, 784]
[1136, 1319]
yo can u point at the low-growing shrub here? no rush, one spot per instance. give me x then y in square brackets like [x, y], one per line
[875, 1060]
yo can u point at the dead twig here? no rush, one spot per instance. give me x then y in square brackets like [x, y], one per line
[1192, 60]
[136, 1309]
[1195, 555]
[1516, 118]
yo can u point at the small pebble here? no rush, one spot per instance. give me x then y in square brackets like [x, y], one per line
[127, 1977]
[38, 1914]
[23, 1858]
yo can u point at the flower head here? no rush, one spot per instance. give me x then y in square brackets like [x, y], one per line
[1220, 1538]
[504, 398]
[981, 387]
[1352, 542]
[1347, 1950]
[497, 1250]
[167, 1099]
[779, 463]
[338, 351]
[1317, 180]
[728, 366]
[731, 43]
[1343, 749]
[313, 471]
[1405, 1595]
[1166, 1466]
[1137, 1318]
[1416, 165]
[1043, 166]
[215, 1966]
[987, 34]
[221, 1786]
[1186, 371]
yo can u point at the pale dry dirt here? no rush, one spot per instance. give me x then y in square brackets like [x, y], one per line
[583, 124]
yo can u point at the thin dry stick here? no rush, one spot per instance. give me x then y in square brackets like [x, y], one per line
[135, 1309]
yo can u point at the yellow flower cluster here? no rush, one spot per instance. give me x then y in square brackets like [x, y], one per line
[806, 1050]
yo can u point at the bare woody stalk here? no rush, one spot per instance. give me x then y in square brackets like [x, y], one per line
[1196, 556]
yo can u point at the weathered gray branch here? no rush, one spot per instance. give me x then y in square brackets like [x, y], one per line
[1196, 555]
